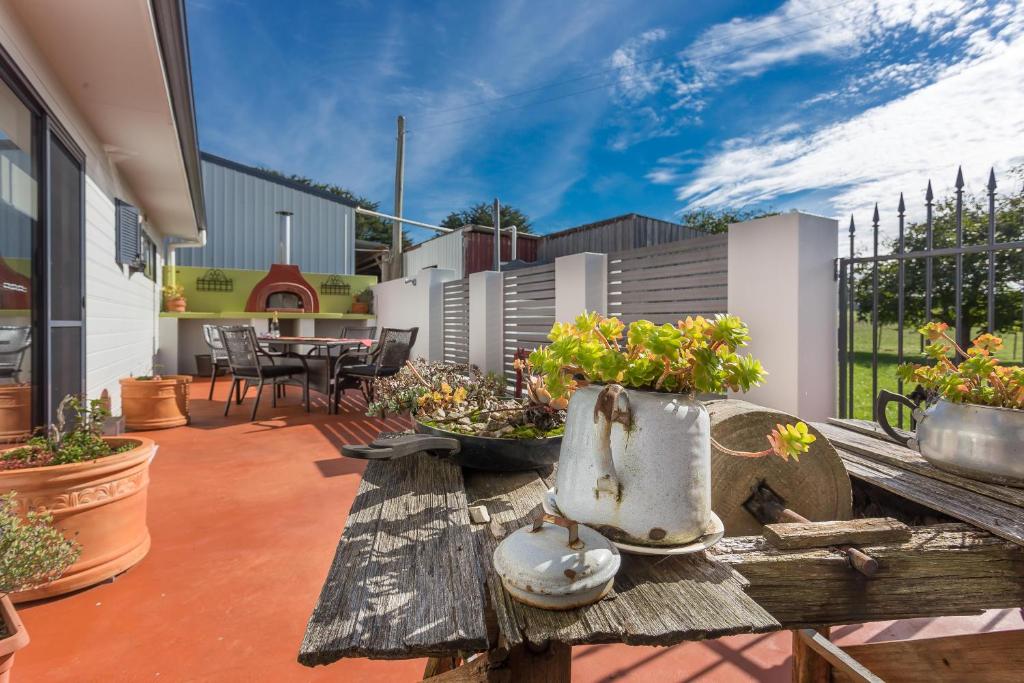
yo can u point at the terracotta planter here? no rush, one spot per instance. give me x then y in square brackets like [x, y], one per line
[360, 307]
[101, 504]
[155, 403]
[17, 638]
[15, 412]
[175, 305]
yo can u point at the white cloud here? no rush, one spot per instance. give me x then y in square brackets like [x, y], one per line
[973, 114]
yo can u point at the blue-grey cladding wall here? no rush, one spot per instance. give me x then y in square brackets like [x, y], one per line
[242, 224]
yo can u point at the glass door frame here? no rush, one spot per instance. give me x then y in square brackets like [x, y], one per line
[46, 127]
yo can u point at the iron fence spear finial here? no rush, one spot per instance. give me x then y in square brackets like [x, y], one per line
[959, 177]
[992, 179]
[929, 195]
[902, 208]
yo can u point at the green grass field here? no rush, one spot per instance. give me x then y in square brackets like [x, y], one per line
[888, 360]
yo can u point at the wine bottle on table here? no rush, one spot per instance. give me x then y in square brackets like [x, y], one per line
[275, 326]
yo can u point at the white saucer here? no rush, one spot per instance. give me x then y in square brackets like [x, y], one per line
[714, 534]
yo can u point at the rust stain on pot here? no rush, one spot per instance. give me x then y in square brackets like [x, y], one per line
[570, 574]
[613, 533]
[607, 404]
[656, 534]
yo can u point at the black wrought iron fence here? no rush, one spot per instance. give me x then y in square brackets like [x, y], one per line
[963, 265]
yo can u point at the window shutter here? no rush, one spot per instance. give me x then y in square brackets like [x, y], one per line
[127, 228]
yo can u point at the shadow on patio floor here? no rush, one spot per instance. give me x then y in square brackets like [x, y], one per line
[245, 518]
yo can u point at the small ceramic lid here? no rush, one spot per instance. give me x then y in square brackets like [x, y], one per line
[556, 557]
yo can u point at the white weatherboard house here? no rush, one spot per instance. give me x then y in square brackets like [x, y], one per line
[99, 177]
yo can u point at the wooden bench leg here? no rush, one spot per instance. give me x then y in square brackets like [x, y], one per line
[808, 665]
[551, 663]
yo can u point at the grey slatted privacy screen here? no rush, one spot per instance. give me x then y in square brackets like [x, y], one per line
[667, 282]
[127, 228]
[529, 311]
[456, 321]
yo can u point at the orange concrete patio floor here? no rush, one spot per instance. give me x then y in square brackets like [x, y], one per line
[245, 518]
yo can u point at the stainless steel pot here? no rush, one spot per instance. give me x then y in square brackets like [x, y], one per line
[973, 441]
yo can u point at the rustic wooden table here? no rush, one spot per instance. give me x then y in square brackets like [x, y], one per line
[412, 578]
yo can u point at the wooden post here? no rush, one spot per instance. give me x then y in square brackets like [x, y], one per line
[808, 665]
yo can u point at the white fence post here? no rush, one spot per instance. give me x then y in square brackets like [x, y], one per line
[416, 301]
[781, 284]
[581, 284]
[486, 321]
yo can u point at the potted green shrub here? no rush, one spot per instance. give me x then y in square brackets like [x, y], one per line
[155, 401]
[363, 303]
[174, 298]
[32, 554]
[974, 423]
[94, 486]
[495, 431]
[635, 459]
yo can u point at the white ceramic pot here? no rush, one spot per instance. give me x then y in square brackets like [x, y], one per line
[636, 465]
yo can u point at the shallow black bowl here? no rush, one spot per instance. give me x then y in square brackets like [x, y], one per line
[499, 455]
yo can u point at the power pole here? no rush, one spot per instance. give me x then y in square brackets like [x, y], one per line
[497, 234]
[395, 270]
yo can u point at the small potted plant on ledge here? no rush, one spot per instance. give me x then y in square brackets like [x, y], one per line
[363, 301]
[174, 298]
[495, 431]
[94, 486]
[32, 554]
[635, 461]
[155, 401]
[974, 423]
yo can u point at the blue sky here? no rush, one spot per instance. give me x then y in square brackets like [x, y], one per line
[578, 111]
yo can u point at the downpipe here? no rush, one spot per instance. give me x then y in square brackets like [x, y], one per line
[171, 246]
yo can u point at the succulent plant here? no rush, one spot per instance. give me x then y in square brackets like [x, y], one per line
[694, 355]
[978, 378]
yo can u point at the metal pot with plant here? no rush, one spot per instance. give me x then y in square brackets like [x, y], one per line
[94, 486]
[174, 298]
[635, 461]
[495, 431]
[973, 421]
[32, 554]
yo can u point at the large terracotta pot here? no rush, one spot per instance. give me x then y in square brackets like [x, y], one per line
[17, 638]
[101, 504]
[175, 305]
[360, 307]
[155, 403]
[15, 412]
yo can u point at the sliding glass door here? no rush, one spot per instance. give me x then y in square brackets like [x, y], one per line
[65, 218]
[42, 231]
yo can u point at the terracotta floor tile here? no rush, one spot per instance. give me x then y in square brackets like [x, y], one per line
[245, 518]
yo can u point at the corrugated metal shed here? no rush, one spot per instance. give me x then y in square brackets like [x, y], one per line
[631, 231]
[467, 250]
[443, 251]
[241, 202]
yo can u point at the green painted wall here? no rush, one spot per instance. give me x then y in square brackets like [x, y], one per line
[245, 280]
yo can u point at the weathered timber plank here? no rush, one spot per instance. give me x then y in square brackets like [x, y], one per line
[1002, 519]
[405, 581]
[790, 536]
[996, 657]
[876, 446]
[657, 601]
[942, 570]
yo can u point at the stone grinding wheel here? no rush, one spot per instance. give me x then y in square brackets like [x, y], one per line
[817, 487]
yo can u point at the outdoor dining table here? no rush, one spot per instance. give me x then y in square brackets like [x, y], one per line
[321, 382]
[412, 577]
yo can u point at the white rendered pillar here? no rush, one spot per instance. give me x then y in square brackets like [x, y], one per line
[781, 283]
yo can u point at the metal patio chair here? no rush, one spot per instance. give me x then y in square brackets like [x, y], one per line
[251, 364]
[384, 360]
[218, 356]
[15, 340]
